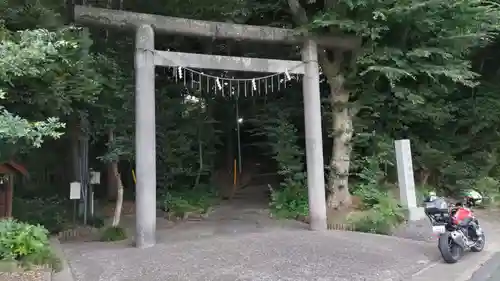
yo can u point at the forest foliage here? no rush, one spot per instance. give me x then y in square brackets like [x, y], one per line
[426, 71]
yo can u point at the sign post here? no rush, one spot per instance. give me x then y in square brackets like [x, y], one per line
[75, 189]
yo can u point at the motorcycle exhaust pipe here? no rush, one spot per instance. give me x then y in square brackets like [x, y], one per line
[459, 239]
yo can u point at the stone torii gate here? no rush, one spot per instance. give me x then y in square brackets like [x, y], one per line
[146, 58]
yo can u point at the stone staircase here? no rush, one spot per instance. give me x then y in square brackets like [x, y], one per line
[256, 194]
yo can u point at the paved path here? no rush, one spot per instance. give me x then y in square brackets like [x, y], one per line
[279, 255]
[249, 246]
[494, 275]
[489, 269]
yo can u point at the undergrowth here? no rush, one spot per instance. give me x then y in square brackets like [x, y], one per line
[113, 233]
[190, 201]
[53, 213]
[380, 211]
[489, 187]
[26, 244]
[289, 199]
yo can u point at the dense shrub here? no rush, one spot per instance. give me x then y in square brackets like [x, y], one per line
[290, 201]
[490, 189]
[95, 221]
[380, 213]
[422, 191]
[53, 213]
[191, 201]
[113, 233]
[27, 244]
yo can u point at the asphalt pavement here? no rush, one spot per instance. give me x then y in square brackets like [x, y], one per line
[490, 271]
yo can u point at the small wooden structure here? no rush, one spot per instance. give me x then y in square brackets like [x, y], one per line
[7, 172]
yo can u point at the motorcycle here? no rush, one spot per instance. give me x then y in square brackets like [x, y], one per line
[457, 227]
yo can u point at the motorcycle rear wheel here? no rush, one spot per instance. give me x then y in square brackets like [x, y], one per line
[479, 246]
[450, 251]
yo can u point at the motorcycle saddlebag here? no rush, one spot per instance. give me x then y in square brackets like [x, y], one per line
[437, 206]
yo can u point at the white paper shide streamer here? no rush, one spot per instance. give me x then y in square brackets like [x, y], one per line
[219, 85]
[258, 85]
[179, 71]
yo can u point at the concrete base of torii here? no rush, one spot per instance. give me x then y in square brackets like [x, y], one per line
[416, 214]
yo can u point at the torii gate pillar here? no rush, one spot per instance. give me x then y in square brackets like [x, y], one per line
[145, 138]
[314, 137]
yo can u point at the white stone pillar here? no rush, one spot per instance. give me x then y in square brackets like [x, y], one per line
[406, 181]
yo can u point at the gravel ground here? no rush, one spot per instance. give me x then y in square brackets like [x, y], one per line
[295, 255]
[242, 243]
[420, 230]
[35, 275]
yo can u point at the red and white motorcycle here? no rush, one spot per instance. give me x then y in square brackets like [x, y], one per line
[457, 227]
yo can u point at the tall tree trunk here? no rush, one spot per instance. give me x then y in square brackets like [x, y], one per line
[424, 176]
[342, 127]
[338, 184]
[119, 185]
[111, 182]
[339, 196]
[119, 199]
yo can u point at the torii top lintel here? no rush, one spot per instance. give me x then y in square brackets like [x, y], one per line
[190, 27]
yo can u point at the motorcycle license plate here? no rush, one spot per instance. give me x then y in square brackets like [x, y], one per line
[438, 229]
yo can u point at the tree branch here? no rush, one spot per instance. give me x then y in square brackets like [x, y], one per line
[298, 12]
[330, 68]
[326, 64]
